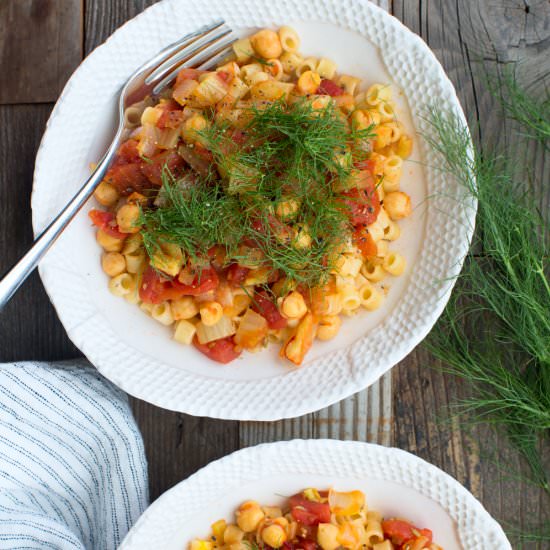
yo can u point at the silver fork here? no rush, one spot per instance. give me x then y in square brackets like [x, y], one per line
[201, 49]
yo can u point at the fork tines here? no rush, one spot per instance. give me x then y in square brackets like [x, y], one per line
[200, 49]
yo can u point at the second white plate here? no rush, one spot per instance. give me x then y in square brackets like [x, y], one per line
[395, 482]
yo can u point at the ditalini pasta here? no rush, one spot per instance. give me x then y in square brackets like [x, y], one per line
[256, 203]
[315, 520]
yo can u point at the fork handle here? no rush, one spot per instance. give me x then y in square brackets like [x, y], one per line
[23, 268]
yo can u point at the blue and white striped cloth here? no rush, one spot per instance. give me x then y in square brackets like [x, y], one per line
[73, 473]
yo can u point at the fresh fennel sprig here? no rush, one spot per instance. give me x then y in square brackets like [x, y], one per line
[533, 114]
[495, 331]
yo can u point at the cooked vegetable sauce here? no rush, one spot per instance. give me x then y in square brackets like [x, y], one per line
[256, 202]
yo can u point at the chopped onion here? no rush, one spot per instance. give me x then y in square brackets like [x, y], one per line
[252, 330]
[198, 163]
[148, 144]
[168, 138]
[346, 504]
[222, 329]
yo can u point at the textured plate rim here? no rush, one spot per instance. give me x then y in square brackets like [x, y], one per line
[358, 378]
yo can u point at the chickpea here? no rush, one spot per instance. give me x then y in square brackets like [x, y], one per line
[327, 536]
[108, 242]
[274, 535]
[302, 238]
[267, 44]
[308, 82]
[196, 123]
[329, 326]
[211, 313]
[404, 146]
[397, 204]
[132, 244]
[184, 308]
[294, 306]
[127, 217]
[273, 512]
[249, 516]
[113, 263]
[291, 61]
[106, 194]
[287, 208]
[232, 534]
[192, 127]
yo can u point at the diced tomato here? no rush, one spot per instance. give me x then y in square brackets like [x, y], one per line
[225, 76]
[305, 544]
[203, 152]
[238, 136]
[172, 115]
[222, 350]
[170, 119]
[168, 160]
[236, 274]
[400, 531]
[427, 533]
[154, 289]
[187, 73]
[196, 159]
[304, 517]
[205, 281]
[363, 179]
[127, 153]
[127, 178]
[274, 226]
[329, 87]
[365, 164]
[106, 221]
[263, 305]
[309, 512]
[363, 205]
[363, 240]
[217, 256]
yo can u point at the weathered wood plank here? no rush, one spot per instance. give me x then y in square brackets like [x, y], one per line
[29, 328]
[103, 17]
[365, 416]
[177, 445]
[40, 46]
[471, 38]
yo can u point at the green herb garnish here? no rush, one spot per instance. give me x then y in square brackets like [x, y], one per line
[503, 299]
[531, 113]
[276, 192]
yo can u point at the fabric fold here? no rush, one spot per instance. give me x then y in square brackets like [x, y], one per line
[73, 472]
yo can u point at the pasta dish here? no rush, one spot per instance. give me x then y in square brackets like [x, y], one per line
[256, 202]
[315, 520]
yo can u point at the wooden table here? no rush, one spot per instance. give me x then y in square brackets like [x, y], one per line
[41, 43]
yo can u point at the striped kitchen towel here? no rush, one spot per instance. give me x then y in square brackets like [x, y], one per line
[72, 468]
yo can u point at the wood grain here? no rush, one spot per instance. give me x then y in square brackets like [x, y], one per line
[473, 39]
[40, 46]
[177, 445]
[103, 17]
[29, 327]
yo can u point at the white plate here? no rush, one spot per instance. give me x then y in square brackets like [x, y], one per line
[137, 353]
[396, 483]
